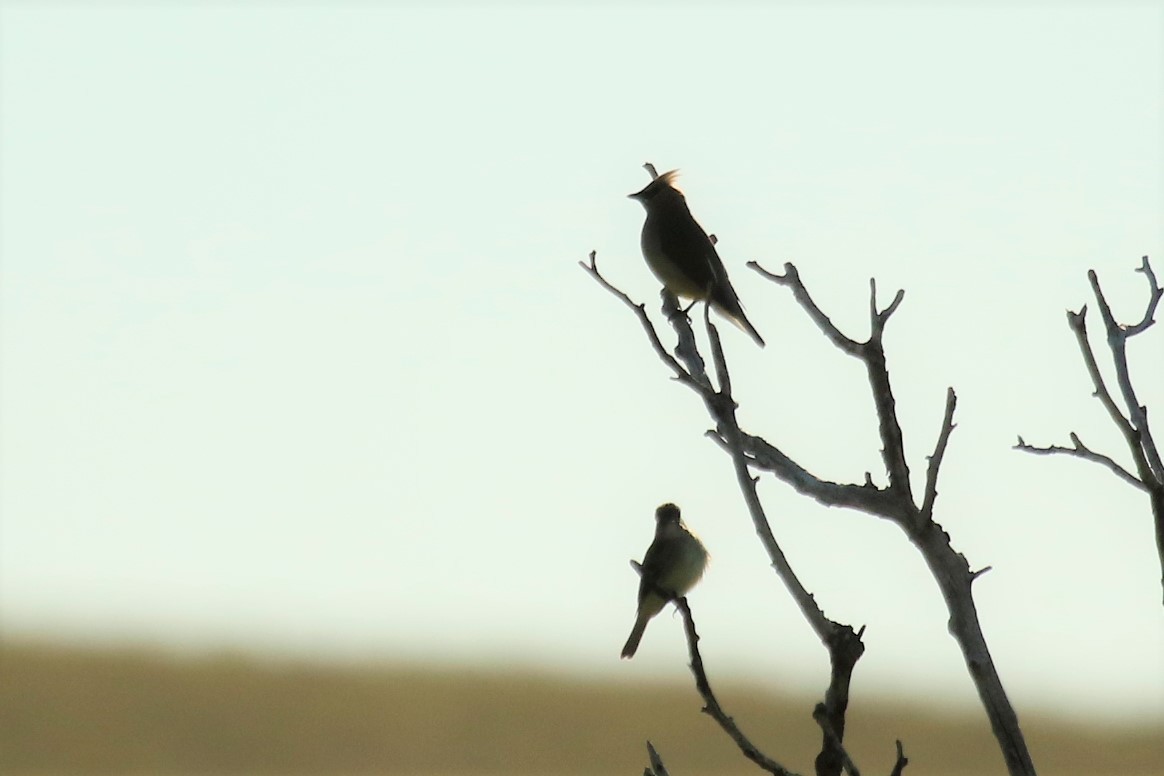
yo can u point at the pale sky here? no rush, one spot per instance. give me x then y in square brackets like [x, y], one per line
[297, 357]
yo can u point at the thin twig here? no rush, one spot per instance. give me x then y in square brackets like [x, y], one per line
[791, 279]
[711, 704]
[931, 493]
[1081, 450]
[902, 761]
[873, 355]
[877, 319]
[657, 768]
[1155, 292]
[681, 374]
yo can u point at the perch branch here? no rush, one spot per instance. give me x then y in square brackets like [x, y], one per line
[711, 705]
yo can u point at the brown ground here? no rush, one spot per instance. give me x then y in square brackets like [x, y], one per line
[75, 711]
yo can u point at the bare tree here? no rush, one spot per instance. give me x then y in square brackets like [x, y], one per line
[1132, 419]
[893, 501]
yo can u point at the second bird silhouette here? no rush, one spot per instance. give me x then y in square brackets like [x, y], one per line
[681, 254]
[673, 564]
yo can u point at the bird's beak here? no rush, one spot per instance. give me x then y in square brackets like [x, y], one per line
[638, 194]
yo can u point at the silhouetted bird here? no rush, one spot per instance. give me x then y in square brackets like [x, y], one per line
[673, 564]
[682, 256]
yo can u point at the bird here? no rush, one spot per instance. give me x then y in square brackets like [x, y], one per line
[682, 256]
[673, 564]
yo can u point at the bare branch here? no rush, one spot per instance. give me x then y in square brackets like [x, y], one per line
[866, 498]
[686, 349]
[1149, 475]
[844, 645]
[949, 567]
[877, 319]
[902, 761]
[711, 705]
[731, 436]
[821, 717]
[791, 279]
[1155, 293]
[1078, 324]
[975, 574]
[873, 356]
[657, 768]
[681, 374]
[722, 378]
[1117, 343]
[931, 493]
[1081, 450]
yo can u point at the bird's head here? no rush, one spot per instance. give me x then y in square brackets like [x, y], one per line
[661, 189]
[667, 513]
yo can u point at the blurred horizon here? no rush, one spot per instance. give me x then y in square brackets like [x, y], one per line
[86, 710]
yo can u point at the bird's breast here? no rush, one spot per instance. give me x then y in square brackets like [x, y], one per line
[687, 568]
[666, 268]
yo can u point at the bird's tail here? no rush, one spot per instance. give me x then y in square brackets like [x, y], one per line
[729, 306]
[636, 635]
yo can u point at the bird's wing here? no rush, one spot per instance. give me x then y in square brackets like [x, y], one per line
[661, 555]
[687, 245]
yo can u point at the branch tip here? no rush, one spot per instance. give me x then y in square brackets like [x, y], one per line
[975, 574]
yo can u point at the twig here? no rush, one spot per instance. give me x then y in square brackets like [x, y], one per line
[927, 509]
[878, 319]
[902, 761]
[657, 768]
[711, 704]
[791, 279]
[1081, 450]
[685, 377]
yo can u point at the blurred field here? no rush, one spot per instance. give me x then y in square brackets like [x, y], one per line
[77, 711]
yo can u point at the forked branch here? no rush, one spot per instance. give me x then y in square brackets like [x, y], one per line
[1132, 419]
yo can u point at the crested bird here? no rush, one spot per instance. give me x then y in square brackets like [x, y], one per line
[682, 256]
